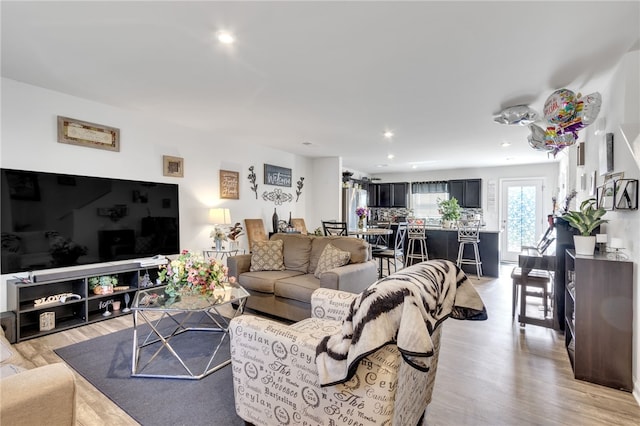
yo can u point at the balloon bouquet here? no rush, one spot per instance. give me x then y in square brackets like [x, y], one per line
[567, 113]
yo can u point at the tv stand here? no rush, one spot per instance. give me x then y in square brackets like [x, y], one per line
[84, 308]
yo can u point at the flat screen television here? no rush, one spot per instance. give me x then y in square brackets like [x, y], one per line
[51, 220]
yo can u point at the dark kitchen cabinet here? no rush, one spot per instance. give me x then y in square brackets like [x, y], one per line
[388, 194]
[400, 194]
[468, 192]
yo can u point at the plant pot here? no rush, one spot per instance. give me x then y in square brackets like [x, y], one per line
[584, 245]
[447, 223]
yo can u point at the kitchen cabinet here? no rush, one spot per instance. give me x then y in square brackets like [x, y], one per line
[468, 192]
[389, 194]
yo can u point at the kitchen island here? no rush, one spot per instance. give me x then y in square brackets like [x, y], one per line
[442, 243]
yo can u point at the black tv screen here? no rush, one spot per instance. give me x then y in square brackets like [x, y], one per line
[53, 220]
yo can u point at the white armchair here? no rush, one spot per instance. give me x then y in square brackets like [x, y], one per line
[276, 379]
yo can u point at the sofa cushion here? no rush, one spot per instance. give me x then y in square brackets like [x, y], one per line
[264, 281]
[297, 249]
[267, 256]
[357, 247]
[331, 257]
[297, 288]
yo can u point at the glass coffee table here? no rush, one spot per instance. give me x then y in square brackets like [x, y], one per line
[160, 325]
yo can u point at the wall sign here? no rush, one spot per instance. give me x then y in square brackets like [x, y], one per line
[229, 185]
[76, 132]
[278, 176]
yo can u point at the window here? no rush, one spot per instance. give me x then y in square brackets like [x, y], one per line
[426, 205]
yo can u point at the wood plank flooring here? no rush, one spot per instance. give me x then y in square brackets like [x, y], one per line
[490, 373]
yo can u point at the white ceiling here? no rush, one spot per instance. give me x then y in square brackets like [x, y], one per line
[335, 74]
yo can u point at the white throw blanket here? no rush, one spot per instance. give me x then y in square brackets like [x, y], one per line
[404, 308]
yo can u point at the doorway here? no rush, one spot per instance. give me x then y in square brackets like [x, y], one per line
[522, 216]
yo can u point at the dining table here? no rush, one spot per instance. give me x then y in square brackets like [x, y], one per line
[369, 233]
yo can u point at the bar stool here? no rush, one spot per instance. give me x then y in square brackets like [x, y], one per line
[417, 246]
[469, 233]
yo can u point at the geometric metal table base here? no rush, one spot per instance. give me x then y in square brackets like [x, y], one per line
[215, 323]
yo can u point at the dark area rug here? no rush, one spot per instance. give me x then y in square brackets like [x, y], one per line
[105, 362]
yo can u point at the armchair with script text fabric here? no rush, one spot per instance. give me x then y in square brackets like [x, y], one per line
[367, 358]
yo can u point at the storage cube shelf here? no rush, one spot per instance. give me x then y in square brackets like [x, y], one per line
[73, 311]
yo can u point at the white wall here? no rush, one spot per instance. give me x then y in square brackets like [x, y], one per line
[489, 175]
[620, 106]
[29, 142]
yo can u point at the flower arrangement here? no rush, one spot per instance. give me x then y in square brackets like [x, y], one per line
[235, 231]
[218, 234]
[362, 211]
[191, 273]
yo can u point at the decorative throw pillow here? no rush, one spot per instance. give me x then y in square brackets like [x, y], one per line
[267, 256]
[331, 257]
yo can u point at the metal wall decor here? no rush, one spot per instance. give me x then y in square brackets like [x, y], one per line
[277, 196]
[299, 184]
[252, 179]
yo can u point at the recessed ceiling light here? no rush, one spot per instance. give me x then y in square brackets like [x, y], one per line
[388, 134]
[225, 37]
[390, 156]
[307, 143]
[414, 166]
[505, 144]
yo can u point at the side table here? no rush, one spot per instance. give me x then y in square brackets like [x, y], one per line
[221, 254]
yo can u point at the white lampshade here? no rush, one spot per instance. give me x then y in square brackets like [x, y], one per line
[219, 216]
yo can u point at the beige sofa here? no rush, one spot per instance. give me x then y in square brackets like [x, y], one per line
[31, 395]
[287, 293]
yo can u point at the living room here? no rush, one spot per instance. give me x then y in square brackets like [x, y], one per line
[29, 128]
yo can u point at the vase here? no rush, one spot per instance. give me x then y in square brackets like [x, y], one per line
[584, 245]
[274, 221]
[361, 222]
[234, 245]
[218, 245]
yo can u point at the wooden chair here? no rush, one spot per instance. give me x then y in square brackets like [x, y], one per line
[255, 231]
[332, 227]
[299, 225]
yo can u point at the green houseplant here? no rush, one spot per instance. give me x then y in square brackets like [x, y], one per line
[450, 211]
[586, 220]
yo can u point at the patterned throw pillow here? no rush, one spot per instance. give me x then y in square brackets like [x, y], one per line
[267, 256]
[331, 257]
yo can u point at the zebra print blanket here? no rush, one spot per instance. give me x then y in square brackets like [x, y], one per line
[404, 308]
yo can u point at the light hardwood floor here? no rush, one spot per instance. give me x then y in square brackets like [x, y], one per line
[490, 372]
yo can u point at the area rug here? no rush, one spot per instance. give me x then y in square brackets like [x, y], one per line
[105, 362]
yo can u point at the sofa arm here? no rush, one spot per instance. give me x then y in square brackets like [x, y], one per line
[331, 304]
[238, 264]
[43, 395]
[353, 278]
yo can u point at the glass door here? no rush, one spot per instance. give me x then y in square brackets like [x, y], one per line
[522, 216]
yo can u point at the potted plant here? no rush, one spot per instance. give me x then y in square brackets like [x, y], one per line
[450, 211]
[585, 221]
[234, 233]
[103, 284]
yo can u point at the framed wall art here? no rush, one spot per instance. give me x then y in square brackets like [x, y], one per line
[172, 166]
[92, 135]
[278, 176]
[605, 154]
[229, 185]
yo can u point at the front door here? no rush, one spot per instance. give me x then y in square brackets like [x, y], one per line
[522, 216]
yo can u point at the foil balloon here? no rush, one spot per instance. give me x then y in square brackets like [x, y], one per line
[587, 109]
[519, 114]
[560, 106]
[536, 139]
